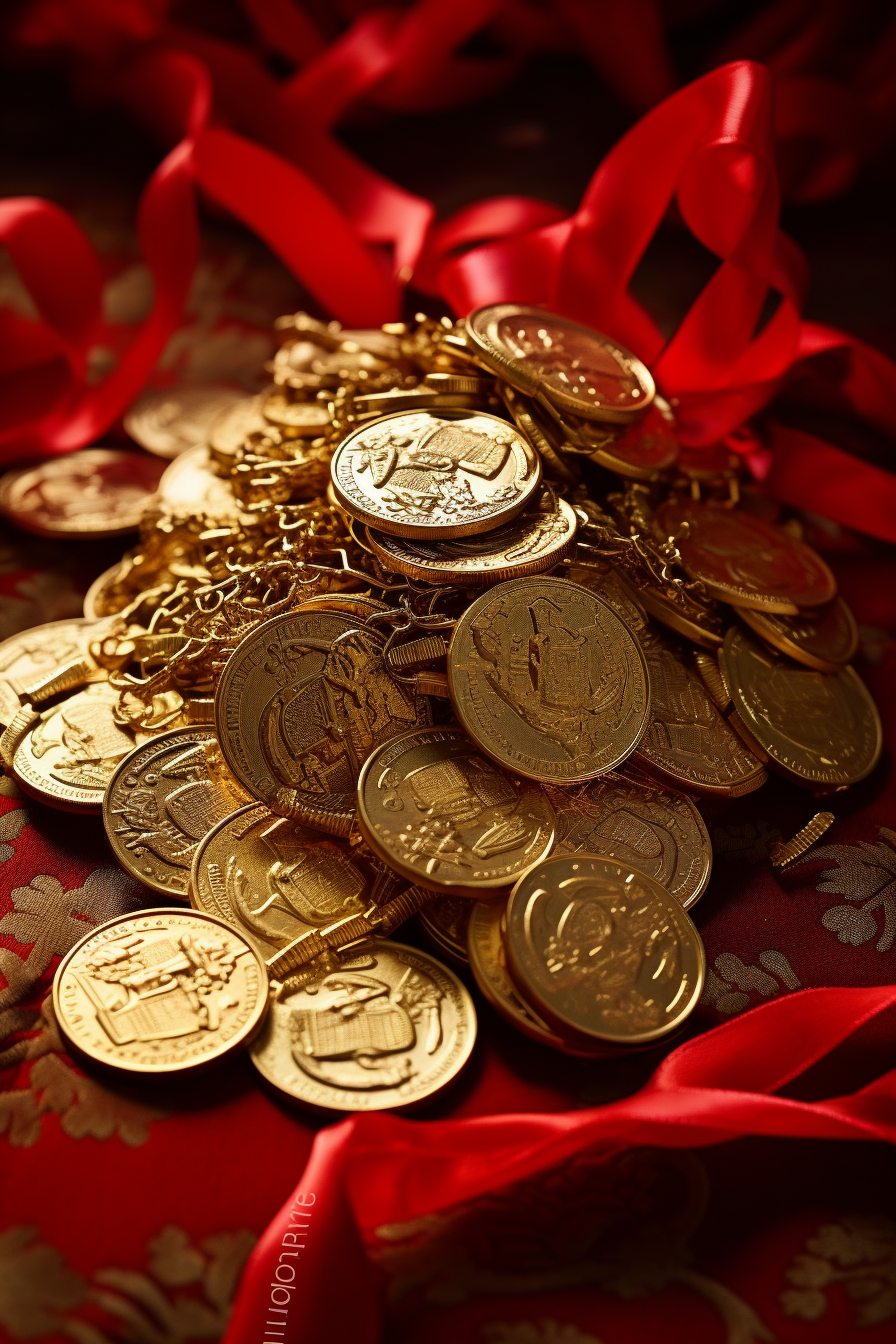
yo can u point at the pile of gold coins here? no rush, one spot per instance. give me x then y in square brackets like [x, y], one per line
[445, 624]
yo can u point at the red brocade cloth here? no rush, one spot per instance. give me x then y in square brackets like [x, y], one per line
[662, 1197]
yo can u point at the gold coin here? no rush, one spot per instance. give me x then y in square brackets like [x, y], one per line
[302, 702]
[603, 950]
[100, 599]
[576, 369]
[389, 1029]
[742, 559]
[228, 430]
[190, 487]
[296, 419]
[445, 921]
[600, 576]
[31, 655]
[168, 420]
[68, 758]
[534, 541]
[826, 639]
[97, 492]
[274, 879]
[644, 449]
[657, 830]
[435, 474]
[434, 809]
[548, 680]
[820, 729]
[159, 804]
[688, 742]
[161, 991]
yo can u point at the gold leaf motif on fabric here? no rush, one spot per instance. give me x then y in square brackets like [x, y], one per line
[859, 1253]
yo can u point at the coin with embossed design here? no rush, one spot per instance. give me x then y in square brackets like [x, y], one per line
[742, 559]
[434, 474]
[389, 1029]
[433, 807]
[69, 756]
[535, 541]
[159, 804]
[302, 702]
[826, 639]
[161, 991]
[657, 830]
[274, 878]
[488, 962]
[97, 492]
[168, 420]
[548, 680]
[688, 743]
[817, 728]
[602, 949]
[570, 366]
[31, 656]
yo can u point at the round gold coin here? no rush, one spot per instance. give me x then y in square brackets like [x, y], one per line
[603, 950]
[169, 420]
[657, 830]
[826, 639]
[273, 878]
[229, 429]
[548, 680]
[69, 756]
[161, 991]
[434, 809]
[688, 742]
[820, 729]
[644, 449]
[32, 655]
[576, 369]
[302, 702]
[159, 804]
[488, 962]
[97, 492]
[434, 474]
[296, 419]
[190, 487]
[445, 921]
[101, 598]
[389, 1029]
[535, 541]
[742, 559]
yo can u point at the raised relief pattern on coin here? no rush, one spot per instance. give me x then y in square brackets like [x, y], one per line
[435, 474]
[93, 493]
[160, 991]
[443, 816]
[389, 1029]
[548, 680]
[69, 757]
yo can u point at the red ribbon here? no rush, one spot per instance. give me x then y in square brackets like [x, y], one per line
[376, 1170]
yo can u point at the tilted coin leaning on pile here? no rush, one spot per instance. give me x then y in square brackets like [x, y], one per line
[443, 623]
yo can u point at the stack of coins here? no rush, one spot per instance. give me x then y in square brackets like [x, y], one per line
[445, 624]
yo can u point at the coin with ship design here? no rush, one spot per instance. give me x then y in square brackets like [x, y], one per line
[573, 368]
[302, 702]
[742, 559]
[161, 991]
[274, 878]
[817, 728]
[68, 757]
[159, 804]
[689, 743]
[603, 950]
[658, 830]
[389, 1029]
[536, 540]
[826, 639]
[442, 815]
[548, 680]
[435, 474]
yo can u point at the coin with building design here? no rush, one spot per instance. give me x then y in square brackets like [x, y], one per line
[548, 680]
[274, 878]
[390, 1028]
[159, 804]
[160, 991]
[443, 816]
[301, 704]
[434, 474]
